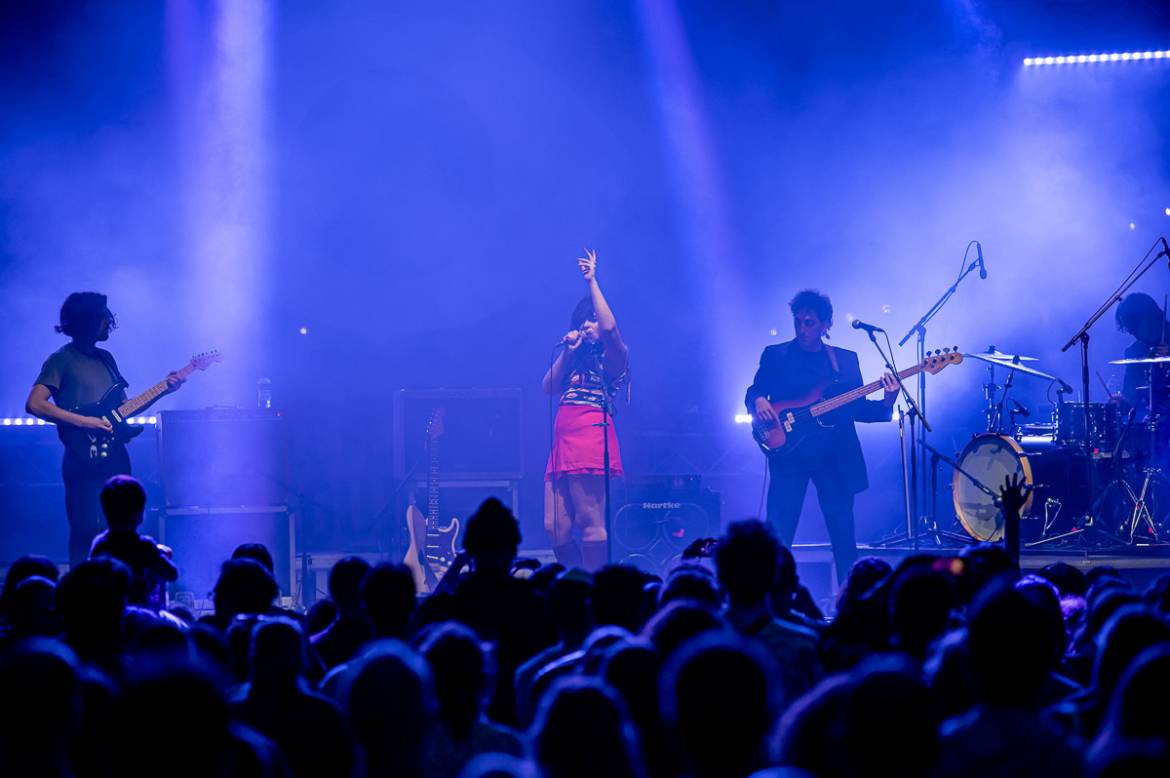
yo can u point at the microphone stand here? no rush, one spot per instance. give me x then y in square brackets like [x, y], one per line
[915, 412]
[1082, 336]
[919, 328]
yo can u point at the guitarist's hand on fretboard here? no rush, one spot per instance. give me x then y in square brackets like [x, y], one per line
[174, 381]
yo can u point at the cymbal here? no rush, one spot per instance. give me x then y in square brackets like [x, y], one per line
[1141, 361]
[1011, 366]
[998, 355]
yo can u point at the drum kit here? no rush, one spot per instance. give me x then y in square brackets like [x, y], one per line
[1095, 476]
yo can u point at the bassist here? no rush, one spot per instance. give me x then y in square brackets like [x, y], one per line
[77, 374]
[832, 457]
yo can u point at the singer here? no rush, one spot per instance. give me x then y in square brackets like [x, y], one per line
[587, 374]
[833, 460]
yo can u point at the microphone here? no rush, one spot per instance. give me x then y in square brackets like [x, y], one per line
[858, 324]
[979, 261]
[566, 340]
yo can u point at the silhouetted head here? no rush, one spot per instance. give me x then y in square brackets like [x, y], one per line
[582, 730]
[258, 552]
[889, 706]
[745, 560]
[123, 502]
[921, 601]
[1006, 621]
[570, 600]
[1138, 707]
[690, 583]
[278, 650]
[86, 317]
[678, 623]
[719, 701]
[1128, 633]
[1049, 612]
[1067, 579]
[345, 583]
[617, 596]
[26, 567]
[92, 598]
[31, 609]
[161, 698]
[389, 598]
[1139, 315]
[390, 698]
[40, 686]
[320, 615]
[244, 587]
[866, 573]
[491, 537]
[459, 669]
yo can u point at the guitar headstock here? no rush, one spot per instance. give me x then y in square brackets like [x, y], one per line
[435, 423]
[206, 359]
[936, 361]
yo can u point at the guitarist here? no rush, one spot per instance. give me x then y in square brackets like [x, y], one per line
[832, 458]
[77, 374]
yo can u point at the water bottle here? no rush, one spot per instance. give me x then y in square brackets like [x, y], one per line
[264, 393]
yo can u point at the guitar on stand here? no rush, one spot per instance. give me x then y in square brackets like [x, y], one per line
[94, 445]
[432, 547]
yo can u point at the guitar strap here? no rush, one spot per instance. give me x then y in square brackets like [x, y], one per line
[833, 360]
[111, 368]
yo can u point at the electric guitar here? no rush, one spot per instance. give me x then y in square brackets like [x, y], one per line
[432, 547]
[806, 416]
[94, 445]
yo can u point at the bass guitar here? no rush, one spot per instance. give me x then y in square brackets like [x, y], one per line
[432, 546]
[94, 445]
[807, 416]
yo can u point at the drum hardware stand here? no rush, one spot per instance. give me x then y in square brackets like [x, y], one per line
[1141, 509]
[918, 434]
[1082, 337]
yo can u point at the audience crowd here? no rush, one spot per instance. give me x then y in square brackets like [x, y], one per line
[726, 668]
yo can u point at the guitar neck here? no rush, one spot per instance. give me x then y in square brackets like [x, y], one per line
[135, 404]
[833, 403]
[433, 484]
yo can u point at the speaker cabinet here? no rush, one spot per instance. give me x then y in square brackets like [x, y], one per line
[222, 457]
[204, 539]
[480, 436]
[654, 526]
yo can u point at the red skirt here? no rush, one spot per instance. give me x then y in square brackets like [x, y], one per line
[577, 447]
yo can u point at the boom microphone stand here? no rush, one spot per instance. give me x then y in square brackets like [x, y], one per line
[918, 480]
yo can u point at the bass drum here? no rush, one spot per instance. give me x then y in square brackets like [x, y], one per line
[1055, 473]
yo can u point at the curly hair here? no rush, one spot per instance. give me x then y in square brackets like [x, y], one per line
[815, 301]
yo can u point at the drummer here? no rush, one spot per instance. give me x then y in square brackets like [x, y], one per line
[1139, 315]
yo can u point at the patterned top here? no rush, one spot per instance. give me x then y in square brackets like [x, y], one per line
[585, 383]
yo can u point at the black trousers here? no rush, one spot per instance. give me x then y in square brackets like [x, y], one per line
[789, 483]
[83, 486]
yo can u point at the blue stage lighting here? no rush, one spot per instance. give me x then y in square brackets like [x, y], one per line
[1081, 59]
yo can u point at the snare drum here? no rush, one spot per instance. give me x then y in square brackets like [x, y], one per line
[1104, 425]
[1056, 473]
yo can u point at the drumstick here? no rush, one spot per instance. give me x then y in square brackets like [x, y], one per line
[1108, 392]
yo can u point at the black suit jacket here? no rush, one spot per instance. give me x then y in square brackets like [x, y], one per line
[776, 380]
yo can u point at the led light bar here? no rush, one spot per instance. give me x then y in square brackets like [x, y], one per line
[32, 421]
[1092, 59]
[743, 418]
